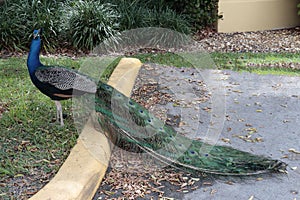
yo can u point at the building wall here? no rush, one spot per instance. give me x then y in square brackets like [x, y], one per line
[254, 15]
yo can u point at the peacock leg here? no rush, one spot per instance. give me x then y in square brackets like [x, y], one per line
[59, 115]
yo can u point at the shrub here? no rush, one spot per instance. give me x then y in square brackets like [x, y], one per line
[298, 6]
[167, 18]
[81, 23]
[132, 14]
[20, 17]
[150, 13]
[203, 13]
[11, 29]
[87, 23]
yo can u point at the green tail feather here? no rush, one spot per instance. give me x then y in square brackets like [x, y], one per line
[132, 126]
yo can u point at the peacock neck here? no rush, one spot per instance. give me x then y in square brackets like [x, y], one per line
[33, 61]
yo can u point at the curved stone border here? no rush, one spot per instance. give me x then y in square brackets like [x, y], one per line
[81, 174]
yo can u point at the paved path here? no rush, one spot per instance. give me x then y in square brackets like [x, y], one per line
[261, 115]
[269, 105]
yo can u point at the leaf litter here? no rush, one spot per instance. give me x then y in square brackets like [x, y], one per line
[134, 176]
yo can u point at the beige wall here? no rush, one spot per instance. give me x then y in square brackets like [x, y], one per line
[253, 15]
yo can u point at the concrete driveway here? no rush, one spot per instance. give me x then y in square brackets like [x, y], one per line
[265, 108]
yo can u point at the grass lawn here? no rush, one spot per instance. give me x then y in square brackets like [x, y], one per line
[261, 63]
[32, 143]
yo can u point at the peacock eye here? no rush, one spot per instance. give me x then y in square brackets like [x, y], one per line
[206, 155]
[149, 120]
[192, 152]
[141, 111]
[130, 103]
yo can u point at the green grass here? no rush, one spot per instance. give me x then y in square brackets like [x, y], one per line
[31, 142]
[28, 136]
[261, 63]
[169, 59]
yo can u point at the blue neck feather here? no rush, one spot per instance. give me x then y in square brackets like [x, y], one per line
[33, 61]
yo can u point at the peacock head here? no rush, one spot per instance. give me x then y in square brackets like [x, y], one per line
[37, 33]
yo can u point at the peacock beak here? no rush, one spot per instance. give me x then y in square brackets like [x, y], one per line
[36, 33]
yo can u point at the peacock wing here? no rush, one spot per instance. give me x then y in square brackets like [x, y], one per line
[65, 79]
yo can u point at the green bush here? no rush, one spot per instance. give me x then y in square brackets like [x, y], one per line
[203, 13]
[150, 13]
[20, 17]
[87, 23]
[11, 29]
[167, 18]
[81, 23]
[132, 14]
[298, 6]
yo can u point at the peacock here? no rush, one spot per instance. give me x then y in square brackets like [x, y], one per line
[132, 127]
[58, 83]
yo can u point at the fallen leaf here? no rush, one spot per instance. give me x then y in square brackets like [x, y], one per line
[285, 156]
[213, 191]
[258, 139]
[207, 183]
[251, 130]
[195, 188]
[294, 151]
[229, 182]
[183, 185]
[166, 198]
[294, 168]
[108, 192]
[226, 140]
[237, 91]
[195, 179]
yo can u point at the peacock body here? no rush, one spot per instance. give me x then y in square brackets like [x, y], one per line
[131, 126]
[56, 82]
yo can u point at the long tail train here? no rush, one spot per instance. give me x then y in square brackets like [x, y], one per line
[130, 126]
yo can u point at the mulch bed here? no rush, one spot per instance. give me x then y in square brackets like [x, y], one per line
[283, 40]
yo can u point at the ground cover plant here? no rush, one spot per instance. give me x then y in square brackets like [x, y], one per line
[32, 145]
[261, 63]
